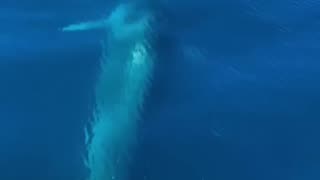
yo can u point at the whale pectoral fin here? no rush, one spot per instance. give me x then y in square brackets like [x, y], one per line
[85, 26]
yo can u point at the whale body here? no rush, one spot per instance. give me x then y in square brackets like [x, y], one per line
[126, 69]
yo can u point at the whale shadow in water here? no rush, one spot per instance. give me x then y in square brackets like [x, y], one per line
[224, 28]
[168, 149]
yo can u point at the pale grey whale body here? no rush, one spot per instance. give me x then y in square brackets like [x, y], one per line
[126, 69]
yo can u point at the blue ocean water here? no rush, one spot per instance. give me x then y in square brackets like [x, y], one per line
[235, 94]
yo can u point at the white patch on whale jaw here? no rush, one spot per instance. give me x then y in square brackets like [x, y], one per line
[139, 55]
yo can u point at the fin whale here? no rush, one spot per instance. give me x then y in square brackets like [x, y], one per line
[126, 69]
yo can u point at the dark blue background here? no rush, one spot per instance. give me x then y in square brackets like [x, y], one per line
[246, 107]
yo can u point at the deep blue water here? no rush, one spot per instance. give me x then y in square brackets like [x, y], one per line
[246, 108]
